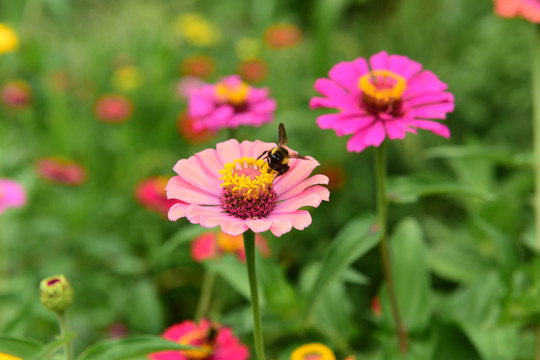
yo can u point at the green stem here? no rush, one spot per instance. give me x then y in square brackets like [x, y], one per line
[382, 212]
[4, 252]
[536, 133]
[65, 330]
[249, 247]
[206, 294]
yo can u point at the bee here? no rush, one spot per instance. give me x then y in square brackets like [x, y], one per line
[278, 157]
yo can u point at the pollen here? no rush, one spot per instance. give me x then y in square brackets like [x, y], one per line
[235, 94]
[382, 91]
[248, 188]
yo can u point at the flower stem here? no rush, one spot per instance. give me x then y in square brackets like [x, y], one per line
[206, 294]
[536, 133]
[65, 330]
[249, 247]
[382, 212]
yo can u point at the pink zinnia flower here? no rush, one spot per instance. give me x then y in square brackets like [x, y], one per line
[113, 108]
[228, 187]
[185, 128]
[229, 104]
[216, 342]
[12, 194]
[213, 245]
[186, 85]
[151, 194]
[390, 96]
[527, 9]
[253, 70]
[61, 171]
[16, 94]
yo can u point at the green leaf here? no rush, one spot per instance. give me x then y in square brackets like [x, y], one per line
[411, 277]
[496, 154]
[128, 348]
[355, 239]
[234, 273]
[22, 348]
[278, 292]
[52, 347]
[408, 189]
[147, 312]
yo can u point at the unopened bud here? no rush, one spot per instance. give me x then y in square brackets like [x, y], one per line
[56, 293]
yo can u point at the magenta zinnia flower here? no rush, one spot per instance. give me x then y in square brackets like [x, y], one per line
[527, 9]
[228, 187]
[150, 193]
[229, 104]
[216, 342]
[390, 96]
[61, 171]
[12, 194]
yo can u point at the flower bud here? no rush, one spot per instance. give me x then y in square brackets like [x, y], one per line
[56, 293]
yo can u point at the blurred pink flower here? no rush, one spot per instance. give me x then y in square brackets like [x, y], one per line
[527, 9]
[390, 96]
[186, 85]
[200, 66]
[216, 342]
[213, 245]
[113, 108]
[118, 331]
[16, 94]
[227, 187]
[61, 171]
[229, 104]
[185, 128]
[12, 194]
[151, 194]
[282, 36]
[253, 71]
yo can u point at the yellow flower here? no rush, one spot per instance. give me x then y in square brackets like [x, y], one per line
[197, 30]
[313, 351]
[8, 39]
[247, 48]
[8, 357]
[127, 78]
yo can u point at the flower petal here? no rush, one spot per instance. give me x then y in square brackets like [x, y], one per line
[301, 219]
[301, 186]
[178, 188]
[375, 134]
[424, 82]
[346, 75]
[193, 172]
[228, 151]
[310, 197]
[433, 126]
[258, 225]
[403, 66]
[379, 61]
[233, 226]
[300, 170]
[177, 211]
[281, 224]
[341, 98]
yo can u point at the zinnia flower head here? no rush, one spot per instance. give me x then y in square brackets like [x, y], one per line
[229, 104]
[61, 171]
[186, 129]
[212, 245]
[127, 78]
[150, 193]
[216, 342]
[9, 41]
[527, 9]
[229, 188]
[201, 66]
[16, 94]
[282, 36]
[113, 108]
[388, 97]
[197, 29]
[253, 71]
[313, 351]
[12, 195]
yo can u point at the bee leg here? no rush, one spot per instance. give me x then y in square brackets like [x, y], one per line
[260, 156]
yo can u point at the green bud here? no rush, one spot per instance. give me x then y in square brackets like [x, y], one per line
[56, 293]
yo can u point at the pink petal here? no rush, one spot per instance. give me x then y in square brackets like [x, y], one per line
[352, 125]
[265, 106]
[281, 224]
[209, 158]
[233, 226]
[403, 66]
[331, 90]
[375, 134]
[178, 188]
[379, 61]
[356, 143]
[424, 82]
[310, 197]
[199, 106]
[204, 247]
[177, 211]
[318, 102]
[301, 219]
[258, 225]
[346, 75]
[228, 151]
[196, 174]
[395, 130]
[328, 121]
[429, 98]
[433, 126]
[362, 66]
[433, 111]
[206, 216]
[300, 170]
[255, 148]
[257, 95]
[298, 188]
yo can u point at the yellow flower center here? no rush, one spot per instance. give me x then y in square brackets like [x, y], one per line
[247, 188]
[229, 243]
[234, 94]
[199, 339]
[8, 357]
[383, 85]
[247, 177]
[8, 39]
[313, 351]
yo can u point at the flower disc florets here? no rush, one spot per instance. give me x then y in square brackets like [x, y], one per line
[382, 91]
[247, 188]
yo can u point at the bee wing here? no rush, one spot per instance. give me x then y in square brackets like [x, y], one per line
[282, 135]
[296, 156]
